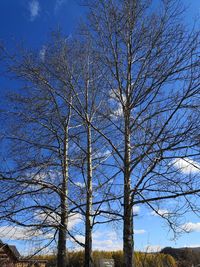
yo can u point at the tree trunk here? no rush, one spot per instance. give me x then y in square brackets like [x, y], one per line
[128, 236]
[128, 213]
[88, 223]
[62, 258]
[61, 255]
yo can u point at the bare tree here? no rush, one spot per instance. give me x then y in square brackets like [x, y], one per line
[88, 105]
[39, 136]
[49, 136]
[150, 61]
[139, 75]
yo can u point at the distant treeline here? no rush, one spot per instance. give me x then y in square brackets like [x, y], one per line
[184, 256]
[141, 259]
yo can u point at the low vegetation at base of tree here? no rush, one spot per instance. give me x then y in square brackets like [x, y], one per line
[154, 260]
[141, 259]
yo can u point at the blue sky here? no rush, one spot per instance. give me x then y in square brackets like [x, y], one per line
[32, 21]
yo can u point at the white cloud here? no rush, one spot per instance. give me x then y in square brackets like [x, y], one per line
[74, 219]
[102, 154]
[79, 184]
[136, 209]
[116, 100]
[34, 8]
[107, 240]
[49, 176]
[192, 246]
[80, 238]
[51, 217]
[118, 112]
[139, 232]
[42, 53]
[107, 245]
[186, 165]
[22, 233]
[191, 227]
[161, 212]
[18, 233]
[116, 95]
[152, 248]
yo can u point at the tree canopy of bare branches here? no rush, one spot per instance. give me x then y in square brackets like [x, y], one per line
[119, 107]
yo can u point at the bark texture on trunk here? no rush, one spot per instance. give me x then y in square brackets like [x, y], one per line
[128, 241]
[128, 245]
[62, 257]
[128, 237]
[88, 223]
[62, 260]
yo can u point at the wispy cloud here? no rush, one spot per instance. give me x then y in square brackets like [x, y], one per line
[116, 101]
[107, 240]
[139, 232]
[53, 218]
[107, 244]
[21, 233]
[74, 219]
[58, 4]
[161, 212]
[186, 165]
[18, 233]
[42, 53]
[34, 8]
[136, 209]
[152, 248]
[79, 184]
[118, 112]
[192, 245]
[191, 227]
